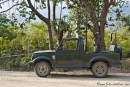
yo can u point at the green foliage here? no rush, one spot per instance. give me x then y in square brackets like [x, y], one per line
[6, 20]
[17, 41]
[14, 40]
[18, 63]
[126, 21]
[70, 44]
[125, 64]
[123, 39]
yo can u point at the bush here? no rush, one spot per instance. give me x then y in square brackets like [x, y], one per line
[19, 63]
[126, 64]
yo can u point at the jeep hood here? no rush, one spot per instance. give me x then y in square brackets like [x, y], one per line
[45, 52]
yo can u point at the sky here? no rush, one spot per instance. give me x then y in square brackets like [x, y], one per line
[44, 12]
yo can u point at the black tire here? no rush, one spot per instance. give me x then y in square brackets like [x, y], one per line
[99, 69]
[42, 69]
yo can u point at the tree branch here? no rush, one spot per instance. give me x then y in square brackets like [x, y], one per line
[54, 17]
[88, 8]
[4, 2]
[49, 12]
[13, 6]
[111, 2]
[10, 8]
[37, 13]
[105, 1]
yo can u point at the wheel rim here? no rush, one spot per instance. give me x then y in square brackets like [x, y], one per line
[43, 69]
[100, 69]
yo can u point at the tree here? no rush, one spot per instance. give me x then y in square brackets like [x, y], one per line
[44, 19]
[59, 25]
[97, 11]
[42, 4]
[102, 8]
[28, 4]
[58, 34]
[80, 18]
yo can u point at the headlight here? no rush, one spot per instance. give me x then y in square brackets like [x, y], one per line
[33, 57]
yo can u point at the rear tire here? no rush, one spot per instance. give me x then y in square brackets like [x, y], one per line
[42, 69]
[99, 69]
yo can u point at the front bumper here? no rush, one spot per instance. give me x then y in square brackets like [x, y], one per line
[31, 63]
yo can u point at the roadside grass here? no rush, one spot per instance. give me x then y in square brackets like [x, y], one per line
[125, 64]
[16, 64]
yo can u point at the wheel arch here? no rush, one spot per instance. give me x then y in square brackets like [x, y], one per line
[98, 59]
[46, 59]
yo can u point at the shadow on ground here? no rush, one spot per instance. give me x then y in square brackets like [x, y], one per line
[110, 77]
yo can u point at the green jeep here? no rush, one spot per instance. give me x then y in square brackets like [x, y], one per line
[74, 57]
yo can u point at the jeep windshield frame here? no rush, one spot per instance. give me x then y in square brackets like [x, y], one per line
[68, 39]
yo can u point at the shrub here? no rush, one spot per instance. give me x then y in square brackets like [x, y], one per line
[19, 63]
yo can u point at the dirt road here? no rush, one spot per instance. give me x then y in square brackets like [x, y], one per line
[69, 79]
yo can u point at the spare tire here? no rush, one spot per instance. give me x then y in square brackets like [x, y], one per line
[119, 50]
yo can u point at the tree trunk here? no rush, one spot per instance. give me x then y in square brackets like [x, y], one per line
[102, 16]
[100, 29]
[102, 25]
[58, 33]
[49, 27]
[54, 20]
[60, 36]
[54, 17]
[50, 37]
[102, 45]
[86, 39]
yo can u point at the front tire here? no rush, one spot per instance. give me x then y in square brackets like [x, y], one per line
[99, 69]
[42, 69]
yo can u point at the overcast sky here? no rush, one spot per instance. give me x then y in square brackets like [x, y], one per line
[44, 12]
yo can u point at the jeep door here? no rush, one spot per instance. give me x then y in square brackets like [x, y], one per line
[67, 54]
